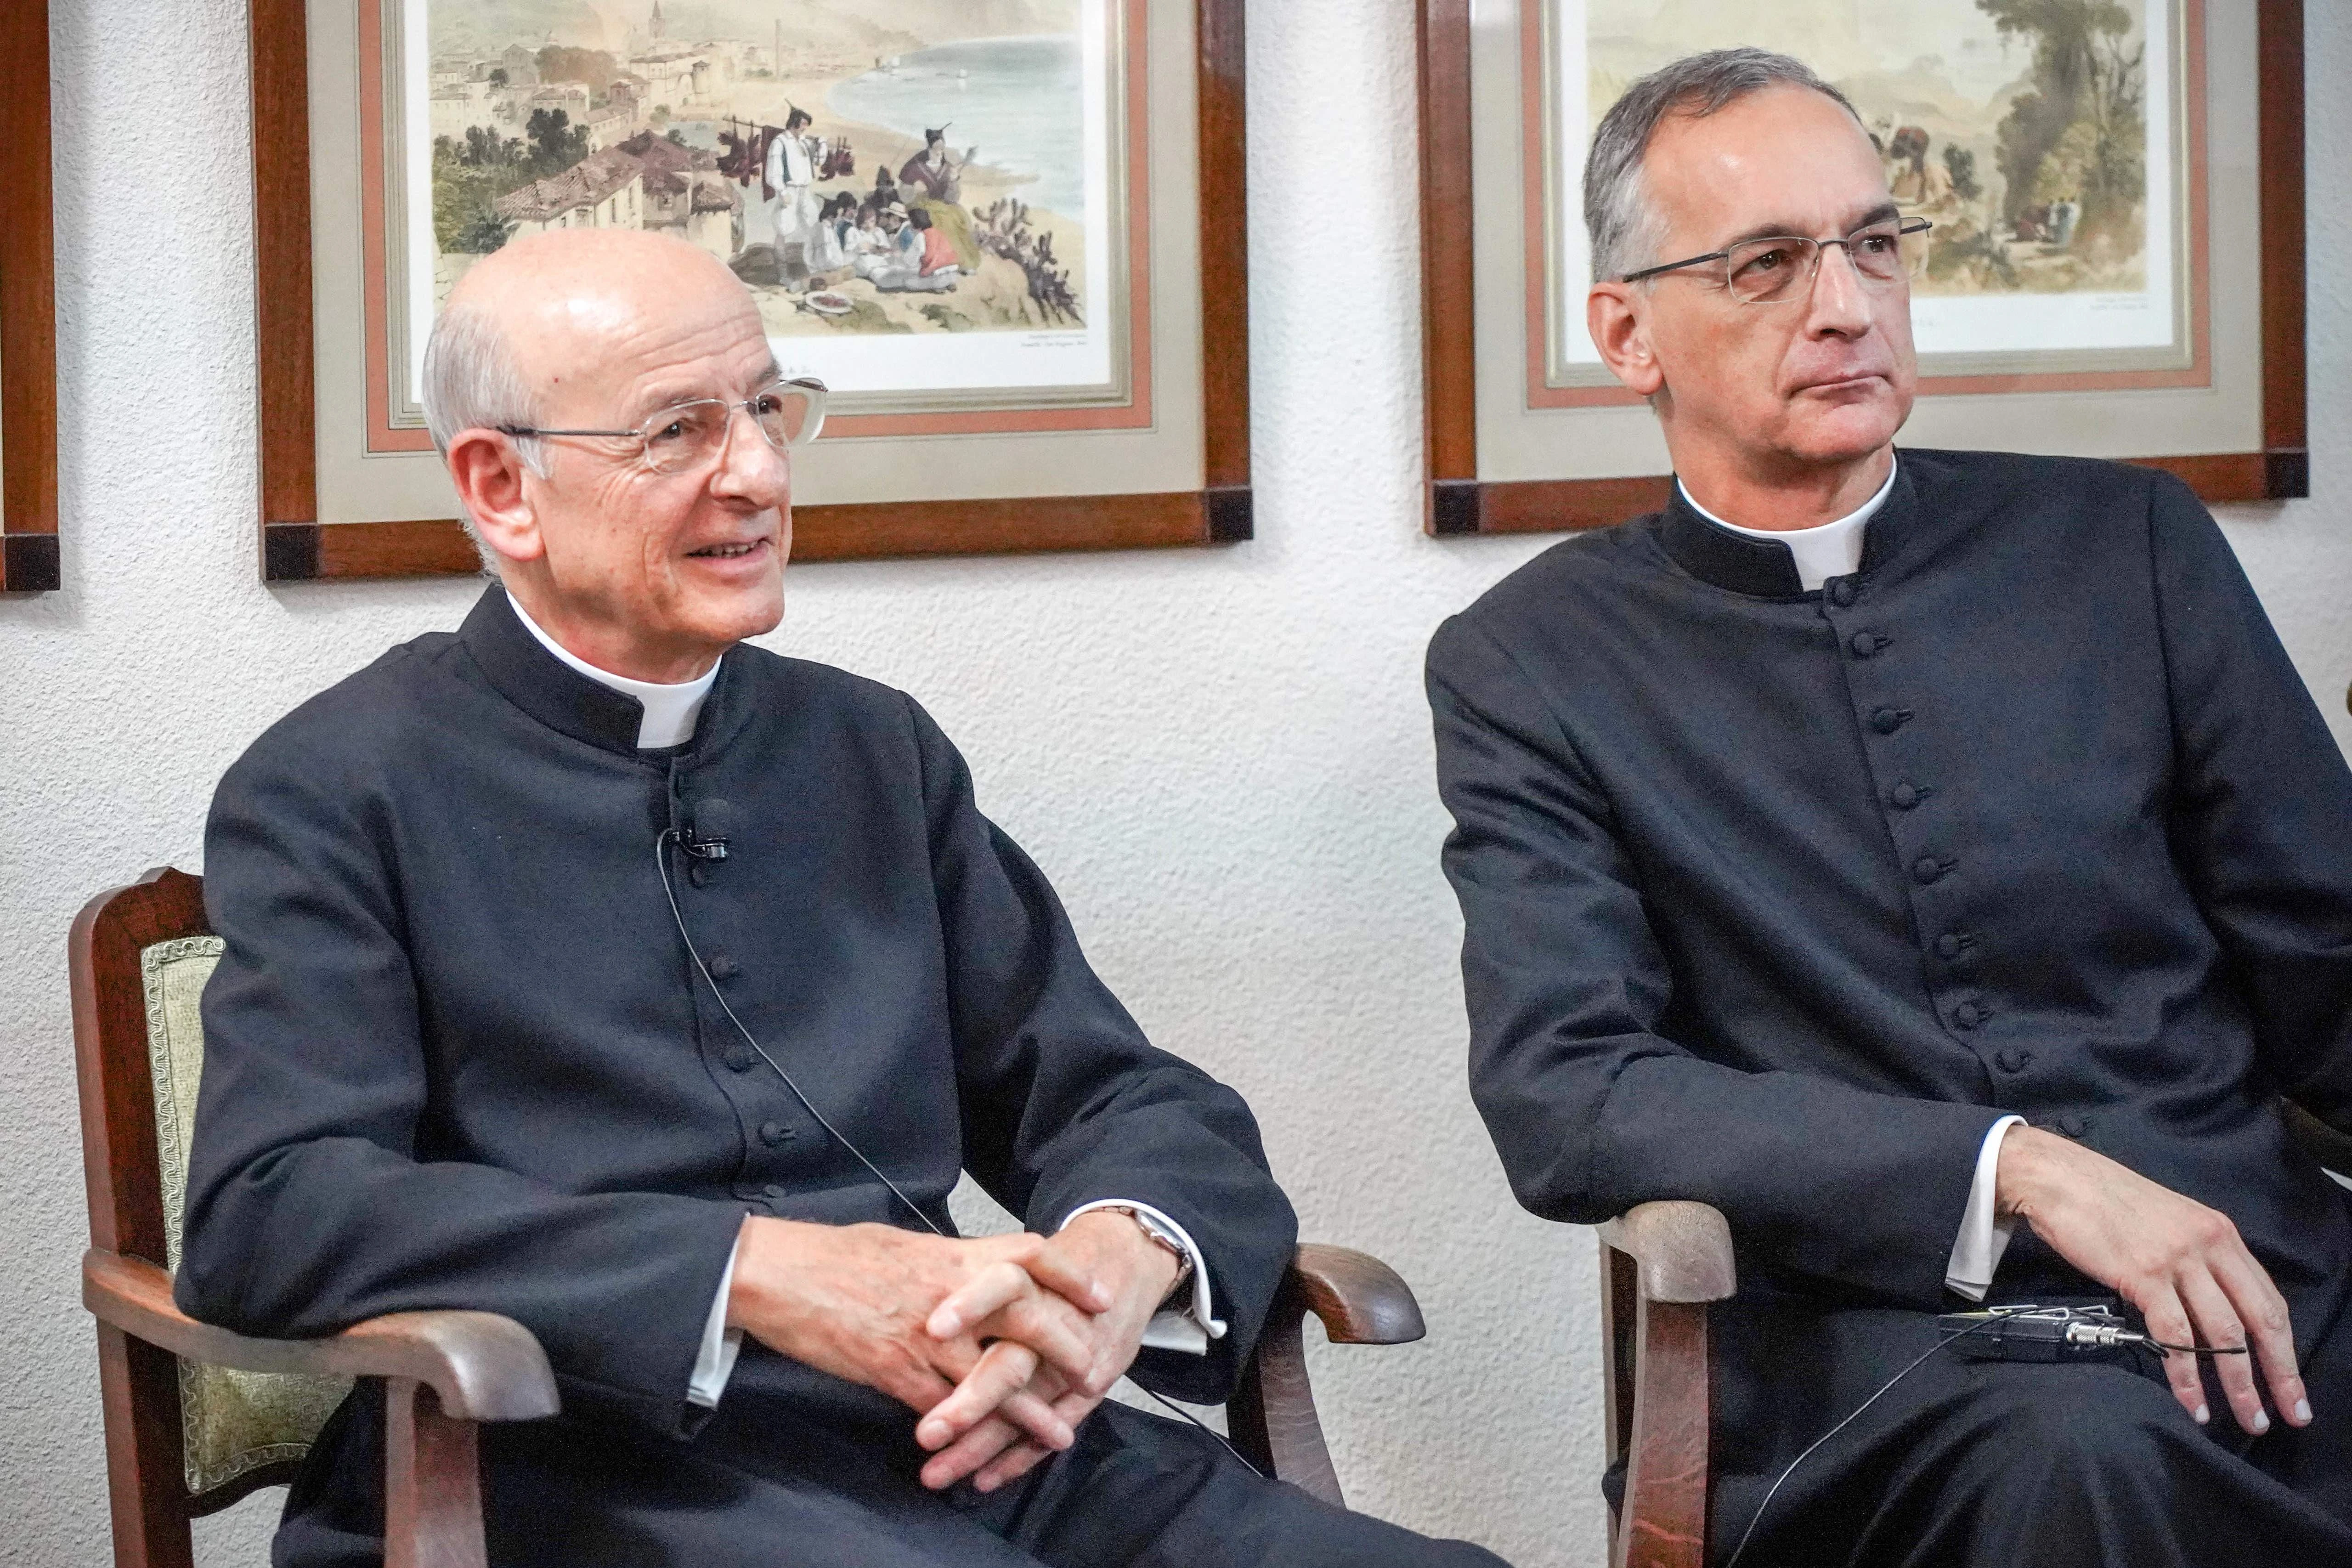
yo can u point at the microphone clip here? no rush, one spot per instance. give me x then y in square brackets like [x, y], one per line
[704, 835]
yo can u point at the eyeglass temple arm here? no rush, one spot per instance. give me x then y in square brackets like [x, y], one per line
[1675, 266]
[528, 430]
[1913, 224]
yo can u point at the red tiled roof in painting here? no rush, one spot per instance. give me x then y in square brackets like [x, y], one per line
[583, 185]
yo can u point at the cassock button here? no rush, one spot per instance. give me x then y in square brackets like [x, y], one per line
[1865, 644]
[773, 1191]
[1886, 721]
[1967, 1015]
[723, 967]
[774, 1133]
[1950, 945]
[1843, 593]
[741, 1059]
[2072, 1125]
[1928, 868]
[1904, 796]
[2013, 1060]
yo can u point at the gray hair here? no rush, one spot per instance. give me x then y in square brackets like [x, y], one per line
[1625, 231]
[471, 383]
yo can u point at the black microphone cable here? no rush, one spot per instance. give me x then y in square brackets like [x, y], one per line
[661, 866]
[1993, 1316]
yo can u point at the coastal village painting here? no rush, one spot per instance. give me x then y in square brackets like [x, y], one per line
[867, 167]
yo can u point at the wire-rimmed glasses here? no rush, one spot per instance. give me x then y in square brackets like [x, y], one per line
[1781, 267]
[689, 435]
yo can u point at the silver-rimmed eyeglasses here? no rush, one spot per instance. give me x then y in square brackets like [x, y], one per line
[1781, 267]
[689, 435]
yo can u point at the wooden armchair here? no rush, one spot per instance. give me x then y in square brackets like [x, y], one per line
[1660, 1264]
[197, 1417]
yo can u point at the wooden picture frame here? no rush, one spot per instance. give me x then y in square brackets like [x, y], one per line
[28, 382]
[298, 546]
[1463, 500]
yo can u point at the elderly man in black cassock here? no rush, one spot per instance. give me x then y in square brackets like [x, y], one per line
[1932, 860]
[499, 1027]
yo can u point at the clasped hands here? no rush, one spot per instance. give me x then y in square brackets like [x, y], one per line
[1001, 1344]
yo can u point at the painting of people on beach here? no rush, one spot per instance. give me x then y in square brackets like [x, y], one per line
[923, 197]
[2038, 135]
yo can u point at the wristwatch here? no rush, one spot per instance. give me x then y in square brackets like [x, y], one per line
[1162, 1235]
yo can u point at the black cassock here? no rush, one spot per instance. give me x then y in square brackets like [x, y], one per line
[1779, 899]
[457, 1057]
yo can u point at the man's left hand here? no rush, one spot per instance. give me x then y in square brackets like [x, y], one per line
[966, 1435]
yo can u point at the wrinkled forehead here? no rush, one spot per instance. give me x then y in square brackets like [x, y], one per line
[1786, 160]
[620, 353]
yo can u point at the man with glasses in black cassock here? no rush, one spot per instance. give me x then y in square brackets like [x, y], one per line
[1932, 860]
[591, 966]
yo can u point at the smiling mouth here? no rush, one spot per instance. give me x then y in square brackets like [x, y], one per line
[728, 552]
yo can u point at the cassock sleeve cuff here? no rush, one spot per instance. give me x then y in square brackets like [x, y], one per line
[1984, 1234]
[720, 1344]
[1189, 1329]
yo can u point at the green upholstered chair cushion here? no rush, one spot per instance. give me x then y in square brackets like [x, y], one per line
[230, 1422]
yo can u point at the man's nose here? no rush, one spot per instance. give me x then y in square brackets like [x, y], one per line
[751, 466]
[1840, 303]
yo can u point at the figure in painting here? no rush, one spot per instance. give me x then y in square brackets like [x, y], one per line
[790, 176]
[900, 262]
[940, 265]
[933, 169]
[826, 250]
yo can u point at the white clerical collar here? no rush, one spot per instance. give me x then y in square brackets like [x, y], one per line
[669, 710]
[1822, 551]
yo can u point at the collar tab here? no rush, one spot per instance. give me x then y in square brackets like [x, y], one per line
[543, 686]
[1764, 568]
[1767, 568]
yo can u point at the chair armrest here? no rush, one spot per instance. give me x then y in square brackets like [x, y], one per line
[1683, 1251]
[2331, 1147]
[483, 1367]
[1360, 1299]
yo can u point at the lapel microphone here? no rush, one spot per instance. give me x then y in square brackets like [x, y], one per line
[704, 837]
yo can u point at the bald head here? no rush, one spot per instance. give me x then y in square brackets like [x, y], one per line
[528, 323]
[592, 335]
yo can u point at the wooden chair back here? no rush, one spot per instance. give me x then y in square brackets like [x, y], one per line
[182, 1438]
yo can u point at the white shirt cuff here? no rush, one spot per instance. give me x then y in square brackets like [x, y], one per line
[720, 1344]
[1190, 1328]
[1984, 1234]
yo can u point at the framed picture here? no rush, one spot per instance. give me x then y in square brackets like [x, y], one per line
[29, 384]
[2116, 270]
[1010, 237]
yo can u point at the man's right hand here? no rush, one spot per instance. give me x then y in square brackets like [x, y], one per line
[2181, 1262]
[854, 1300]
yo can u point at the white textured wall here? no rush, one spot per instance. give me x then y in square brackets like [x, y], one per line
[1222, 757]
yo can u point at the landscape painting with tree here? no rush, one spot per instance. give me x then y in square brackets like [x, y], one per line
[929, 199]
[2046, 139]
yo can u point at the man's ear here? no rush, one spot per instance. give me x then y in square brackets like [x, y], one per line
[1617, 316]
[489, 473]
